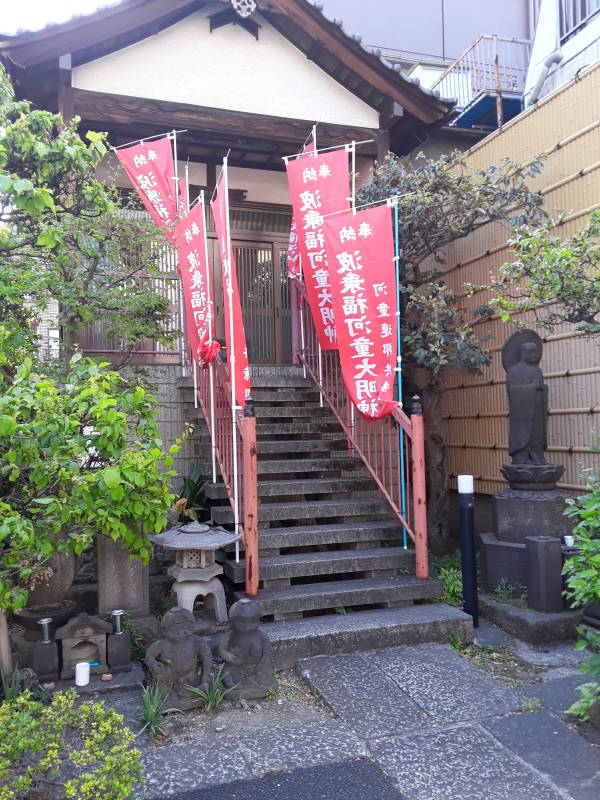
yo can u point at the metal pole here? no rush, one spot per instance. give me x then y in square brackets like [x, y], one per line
[231, 359]
[321, 403]
[195, 374]
[173, 136]
[211, 366]
[353, 203]
[399, 368]
[466, 515]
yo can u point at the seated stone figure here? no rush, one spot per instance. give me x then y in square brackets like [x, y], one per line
[247, 653]
[173, 659]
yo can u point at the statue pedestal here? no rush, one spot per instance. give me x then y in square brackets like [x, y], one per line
[529, 526]
[519, 514]
[122, 581]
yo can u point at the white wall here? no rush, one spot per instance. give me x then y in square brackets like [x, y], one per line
[226, 69]
[578, 51]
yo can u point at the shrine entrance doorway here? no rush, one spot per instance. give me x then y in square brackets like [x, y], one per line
[260, 241]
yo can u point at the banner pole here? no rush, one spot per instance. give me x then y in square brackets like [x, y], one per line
[176, 170]
[187, 185]
[399, 367]
[353, 201]
[321, 403]
[211, 366]
[231, 359]
[301, 309]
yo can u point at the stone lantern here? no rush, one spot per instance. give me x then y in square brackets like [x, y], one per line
[195, 570]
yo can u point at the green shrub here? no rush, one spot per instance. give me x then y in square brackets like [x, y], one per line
[61, 750]
[588, 694]
[582, 570]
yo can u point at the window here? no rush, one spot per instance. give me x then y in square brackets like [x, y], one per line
[574, 14]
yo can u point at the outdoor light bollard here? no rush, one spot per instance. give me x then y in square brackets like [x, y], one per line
[118, 645]
[466, 515]
[45, 654]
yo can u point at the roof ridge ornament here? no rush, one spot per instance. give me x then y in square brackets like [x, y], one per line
[244, 7]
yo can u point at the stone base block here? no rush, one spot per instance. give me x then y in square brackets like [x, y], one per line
[535, 627]
[520, 514]
[500, 560]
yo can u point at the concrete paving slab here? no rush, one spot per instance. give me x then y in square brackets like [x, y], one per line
[444, 684]
[172, 769]
[545, 743]
[362, 696]
[289, 747]
[556, 695]
[350, 780]
[464, 763]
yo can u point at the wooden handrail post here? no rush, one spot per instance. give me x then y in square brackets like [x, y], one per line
[419, 490]
[250, 495]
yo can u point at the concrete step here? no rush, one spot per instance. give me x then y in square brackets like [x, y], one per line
[280, 382]
[336, 594]
[263, 370]
[295, 465]
[297, 395]
[322, 509]
[309, 446]
[365, 630]
[332, 562]
[280, 412]
[337, 533]
[304, 486]
[266, 429]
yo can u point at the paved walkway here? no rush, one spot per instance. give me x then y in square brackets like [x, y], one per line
[413, 723]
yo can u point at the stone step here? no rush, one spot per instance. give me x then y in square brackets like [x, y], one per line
[304, 486]
[365, 630]
[337, 533]
[300, 446]
[322, 509]
[342, 594]
[299, 395]
[266, 429]
[263, 370]
[280, 382]
[294, 465]
[280, 412]
[333, 562]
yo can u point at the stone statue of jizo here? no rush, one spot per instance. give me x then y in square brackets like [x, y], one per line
[527, 398]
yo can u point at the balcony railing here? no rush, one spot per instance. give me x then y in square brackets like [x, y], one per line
[491, 65]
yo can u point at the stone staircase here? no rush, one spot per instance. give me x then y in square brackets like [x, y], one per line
[333, 571]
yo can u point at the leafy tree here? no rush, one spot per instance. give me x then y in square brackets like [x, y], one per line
[68, 236]
[556, 279]
[439, 202]
[77, 459]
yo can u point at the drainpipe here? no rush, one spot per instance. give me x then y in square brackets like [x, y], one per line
[555, 58]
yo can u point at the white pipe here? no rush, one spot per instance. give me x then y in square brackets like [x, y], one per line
[195, 373]
[554, 58]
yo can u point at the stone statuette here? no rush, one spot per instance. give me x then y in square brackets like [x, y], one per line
[246, 653]
[527, 415]
[173, 659]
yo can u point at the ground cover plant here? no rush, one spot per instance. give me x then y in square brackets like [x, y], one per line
[64, 750]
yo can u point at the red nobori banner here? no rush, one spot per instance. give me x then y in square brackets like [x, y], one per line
[236, 349]
[293, 255]
[318, 186]
[360, 248]
[189, 239]
[151, 169]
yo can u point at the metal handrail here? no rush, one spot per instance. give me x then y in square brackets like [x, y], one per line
[392, 449]
[491, 63]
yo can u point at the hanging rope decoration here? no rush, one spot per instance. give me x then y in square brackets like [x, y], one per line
[244, 7]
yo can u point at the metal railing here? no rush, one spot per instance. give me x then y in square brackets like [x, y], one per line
[214, 400]
[490, 64]
[392, 448]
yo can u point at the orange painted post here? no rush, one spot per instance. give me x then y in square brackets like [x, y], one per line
[419, 490]
[250, 495]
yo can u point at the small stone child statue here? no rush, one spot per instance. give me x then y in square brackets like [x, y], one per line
[247, 653]
[173, 659]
